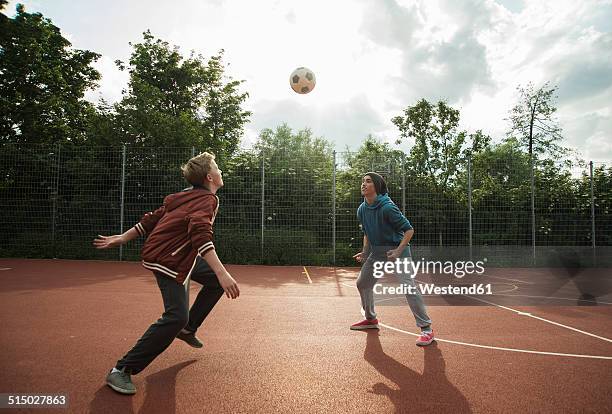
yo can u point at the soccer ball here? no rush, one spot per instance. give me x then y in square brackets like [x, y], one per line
[302, 80]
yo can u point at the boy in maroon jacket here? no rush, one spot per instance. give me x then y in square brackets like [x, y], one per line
[179, 247]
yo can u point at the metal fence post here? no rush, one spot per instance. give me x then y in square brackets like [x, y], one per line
[403, 183]
[533, 223]
[55, 197]
[188, 284]
[122, 199]
[263, 203]
[470, 204]
[334, 208]
[593, 244]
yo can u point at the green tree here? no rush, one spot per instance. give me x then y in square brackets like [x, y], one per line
[176, 102]
[42, 81]
[500, 194]
[298, 195]
[440, 149]
[602, 180]
[532, 120]
[438, 155]
[301, 146]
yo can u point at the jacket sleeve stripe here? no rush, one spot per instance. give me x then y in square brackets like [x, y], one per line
[160, 268]
[140, 229]
[205, 247]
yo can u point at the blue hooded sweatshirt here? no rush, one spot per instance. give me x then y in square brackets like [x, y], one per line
[382, 222]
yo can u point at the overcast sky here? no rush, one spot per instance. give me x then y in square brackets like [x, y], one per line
[373, 58]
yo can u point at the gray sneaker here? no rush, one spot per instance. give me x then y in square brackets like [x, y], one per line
[121, 382]
[190, 338]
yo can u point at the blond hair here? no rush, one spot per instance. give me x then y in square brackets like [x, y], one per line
[196, 169]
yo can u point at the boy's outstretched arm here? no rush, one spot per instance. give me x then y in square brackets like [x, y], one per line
[146, 224]
[105, 242]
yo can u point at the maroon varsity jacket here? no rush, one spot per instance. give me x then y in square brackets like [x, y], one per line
[179, 231]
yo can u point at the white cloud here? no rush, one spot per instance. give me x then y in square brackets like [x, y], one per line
[373, 59]
[344, 123]
[112, 83]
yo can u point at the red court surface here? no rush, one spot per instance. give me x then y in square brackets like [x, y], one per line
[284, 346]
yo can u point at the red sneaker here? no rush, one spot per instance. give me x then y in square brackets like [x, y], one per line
[365, 324]
[425, 339]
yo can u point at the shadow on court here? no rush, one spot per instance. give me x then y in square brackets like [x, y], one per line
[418, 392]
[160, 391]
[108, 401]
[28, 276]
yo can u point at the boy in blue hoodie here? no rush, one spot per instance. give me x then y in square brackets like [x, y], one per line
[387, 235]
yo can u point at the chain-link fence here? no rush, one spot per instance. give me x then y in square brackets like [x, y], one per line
[281, 209]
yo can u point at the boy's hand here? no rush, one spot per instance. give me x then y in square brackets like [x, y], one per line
[394, 254]
[358, 257]
[105, 242]
[229, 285]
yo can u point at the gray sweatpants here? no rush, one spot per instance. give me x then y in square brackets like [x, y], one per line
[366, 282]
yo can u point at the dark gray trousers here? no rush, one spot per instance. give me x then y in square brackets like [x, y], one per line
[176, 316]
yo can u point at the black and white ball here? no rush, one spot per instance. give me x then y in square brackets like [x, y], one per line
[302, 80]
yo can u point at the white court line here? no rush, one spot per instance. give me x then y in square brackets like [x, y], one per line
[533, 316]
[307, 275]
[497, 348]
[555, 297]
[542, 319]
[6, 268]
[513, 280]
